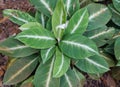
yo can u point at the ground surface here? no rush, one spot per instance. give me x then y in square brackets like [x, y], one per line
[8, 28]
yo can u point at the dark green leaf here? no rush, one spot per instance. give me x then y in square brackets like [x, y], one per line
[20, 70]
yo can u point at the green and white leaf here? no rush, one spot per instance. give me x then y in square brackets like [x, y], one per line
[71, 79]
[116, 4]
[115, 15]
[94, 64]
[46, 54]
[77, 46]
[118, 64]
[18, 17]
[37, 38]
[59, 20]
[117, 49]
[44, 75]
[101, 35]
[78, 23]
[14, 48]
[20, 70]
[61, 65]
[41, 18]
[98, 12]
[45, 6]
[31, 25]
[71, 6]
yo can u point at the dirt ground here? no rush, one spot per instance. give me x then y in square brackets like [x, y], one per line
[8, 28]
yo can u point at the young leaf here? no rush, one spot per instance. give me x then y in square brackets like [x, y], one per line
[41, 18]
[77, 46]
[46, 54]
[18, 17]
[98, 12]
[61, 65]
[37, 38]
[59, 19]
[116, 4]
[71, 6]
[117, 49]
[44, 75]
[30, 25]
[71, 79]
[20, 70]
[78, 23]
[45, 6]
[94, 64]
[15, 48]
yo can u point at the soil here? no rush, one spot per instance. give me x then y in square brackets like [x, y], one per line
[7, 28]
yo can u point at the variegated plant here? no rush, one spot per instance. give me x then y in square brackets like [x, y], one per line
[64, 38]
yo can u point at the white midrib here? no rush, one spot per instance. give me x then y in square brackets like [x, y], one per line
[20, 19]
[68, 80]
[18, 47]
[21, 70]
[46, 56]
[46, 6]
[68, 5]
[101, 33]
[36, 37]
[96, 64]
[43, 20]
[49, 74]
[78, 23]
[79, 45]
[61, 65]
[94, 15]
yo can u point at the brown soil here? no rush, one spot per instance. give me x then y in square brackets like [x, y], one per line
[8, 28]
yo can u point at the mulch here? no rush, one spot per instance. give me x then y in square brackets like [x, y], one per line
[7, 28]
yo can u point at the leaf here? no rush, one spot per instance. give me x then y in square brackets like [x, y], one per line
[101, 35]
[20, 70]
[116, 4]
[117, 49]
[28, 82]
[41, 18]
[71, 6]
[78, 23]
[14, 48]
[45, 6]
[94, 64]
[118, 64]
[84, 3]
[44, 75]
[109, 59]
[46, 54]
[61, 65]
[18, 17]
[98, 12]
[71, 79]
[30, 25]
[115, 72]
[115, 15]
[58, 19]
[37, 38]
[77, 46]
